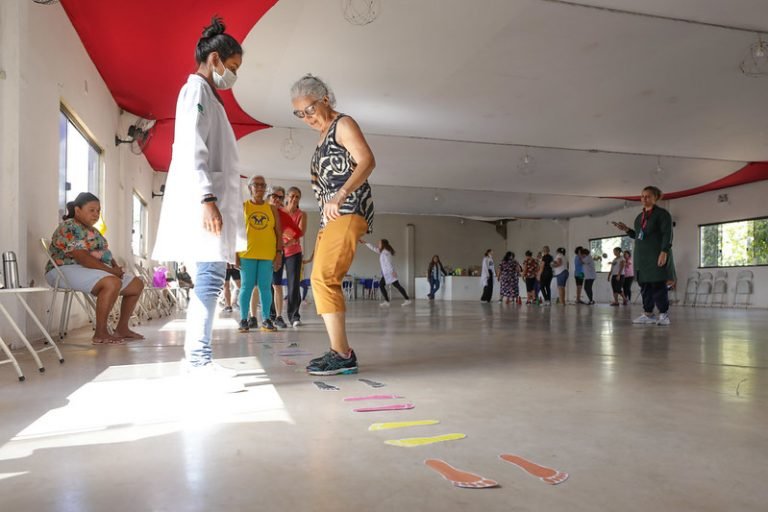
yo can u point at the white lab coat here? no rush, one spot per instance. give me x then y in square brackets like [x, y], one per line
[486, 271]
[385, 260]
[204, 161]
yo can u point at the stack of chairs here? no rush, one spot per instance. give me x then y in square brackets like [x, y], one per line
[152, 303]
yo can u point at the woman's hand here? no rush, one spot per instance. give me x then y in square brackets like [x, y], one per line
[212, 218]
[662, 259]
[117, 271]
[331, 208]
[277, 262]
[621, 226]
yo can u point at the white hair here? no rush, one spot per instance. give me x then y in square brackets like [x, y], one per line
[312, 86]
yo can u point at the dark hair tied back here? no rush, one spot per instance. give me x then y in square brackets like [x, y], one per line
[214, 39]
[81, 200]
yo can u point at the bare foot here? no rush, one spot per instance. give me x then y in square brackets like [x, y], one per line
[129, 335]
[106, 340]
[543, 473]
[460, 478]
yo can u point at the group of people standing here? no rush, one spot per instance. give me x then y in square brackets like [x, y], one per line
[205, 223]
[204, 177]
[537, 274]
[273, 232]
[651, 264]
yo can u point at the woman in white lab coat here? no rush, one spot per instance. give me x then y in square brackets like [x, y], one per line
[388, 273]
[486, 276]
[201, 218]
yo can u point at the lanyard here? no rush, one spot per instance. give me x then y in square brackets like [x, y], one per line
[644, 219]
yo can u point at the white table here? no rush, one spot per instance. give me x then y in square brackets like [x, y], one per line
[19, 293]
[456, 288]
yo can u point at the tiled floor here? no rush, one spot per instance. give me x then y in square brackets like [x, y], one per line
[642, 417]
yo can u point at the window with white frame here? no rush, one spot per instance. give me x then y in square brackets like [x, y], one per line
[139, 226]
[734, 244]
[602, 250]
[79, 160]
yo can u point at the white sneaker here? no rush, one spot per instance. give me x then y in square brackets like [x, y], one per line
[384, 304]
[405, 303]
[663, 319]
[296, 323]
[211, 368]
[644, 319]
[214, 378]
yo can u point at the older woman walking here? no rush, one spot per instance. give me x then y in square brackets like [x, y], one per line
[653, 263]
[340, 168]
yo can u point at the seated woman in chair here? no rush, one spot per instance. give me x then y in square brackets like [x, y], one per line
[83, 257]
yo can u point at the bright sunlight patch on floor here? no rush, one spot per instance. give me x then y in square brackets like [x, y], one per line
[126, 403]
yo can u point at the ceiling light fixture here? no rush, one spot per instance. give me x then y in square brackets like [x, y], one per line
[290, 148]
[658, 174]
[755, 64]
[527, 164]
[360, 12]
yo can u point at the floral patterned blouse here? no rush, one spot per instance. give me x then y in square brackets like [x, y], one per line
[530, 267]
[73, 236]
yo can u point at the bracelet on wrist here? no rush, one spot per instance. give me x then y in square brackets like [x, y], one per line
[209, 199]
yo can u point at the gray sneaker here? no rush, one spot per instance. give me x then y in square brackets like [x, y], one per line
[645, 319]
[279, 322]
[663, 319]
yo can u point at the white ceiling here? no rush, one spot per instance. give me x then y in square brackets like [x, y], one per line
[448, 93]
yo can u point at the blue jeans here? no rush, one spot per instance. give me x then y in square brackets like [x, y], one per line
[209, 281]
[253, 273]
[434, 285]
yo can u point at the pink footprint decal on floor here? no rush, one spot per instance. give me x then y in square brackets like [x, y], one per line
[547, 475]
[459, 478]
[393, 407]
[371, 397]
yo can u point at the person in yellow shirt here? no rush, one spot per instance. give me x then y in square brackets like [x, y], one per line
[263, 255]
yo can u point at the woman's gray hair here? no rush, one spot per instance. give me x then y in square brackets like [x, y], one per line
[312, 86]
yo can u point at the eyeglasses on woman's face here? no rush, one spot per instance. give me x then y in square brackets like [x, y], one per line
[309, 110]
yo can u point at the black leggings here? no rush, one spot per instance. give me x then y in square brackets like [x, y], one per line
[546, 286]
[627, 286]
[588, 288]
[396, 284]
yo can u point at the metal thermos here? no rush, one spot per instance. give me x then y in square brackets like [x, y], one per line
[10, 270]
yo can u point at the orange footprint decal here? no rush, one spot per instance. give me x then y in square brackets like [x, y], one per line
[547, 475]
[460, 478]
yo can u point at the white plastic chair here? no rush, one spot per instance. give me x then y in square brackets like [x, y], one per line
[744, 288]
[691, 287]
[703, 289]
[347, 285]
[720, 289]
[61, 285]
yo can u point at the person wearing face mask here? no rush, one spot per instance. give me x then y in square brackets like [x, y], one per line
[201, 217]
